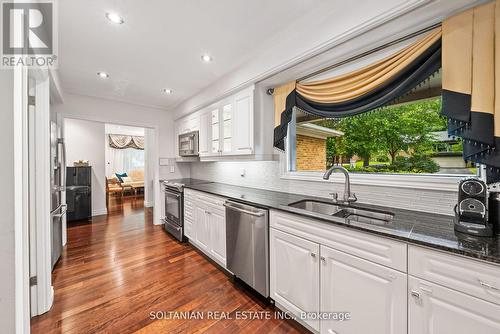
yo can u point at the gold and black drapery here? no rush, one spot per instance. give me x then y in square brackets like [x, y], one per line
[471, 83]
[366, 89]
[124, 141]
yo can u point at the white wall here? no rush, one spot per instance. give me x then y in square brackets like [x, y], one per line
[7, 253]
[85, 140]
[149, 171]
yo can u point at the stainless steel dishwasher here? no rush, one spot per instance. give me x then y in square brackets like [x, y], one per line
[247, 245]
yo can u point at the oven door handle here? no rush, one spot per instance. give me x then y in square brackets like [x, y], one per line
[251, 213]
[171, 193]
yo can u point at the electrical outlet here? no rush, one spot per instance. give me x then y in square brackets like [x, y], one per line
[172, 169]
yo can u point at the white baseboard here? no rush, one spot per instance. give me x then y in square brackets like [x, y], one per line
[148, 204]
[99, 212]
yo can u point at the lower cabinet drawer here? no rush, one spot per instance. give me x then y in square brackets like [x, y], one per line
[475, 278]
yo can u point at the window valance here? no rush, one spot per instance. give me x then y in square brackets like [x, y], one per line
[366, 89]
[471, 82]
[124, 141]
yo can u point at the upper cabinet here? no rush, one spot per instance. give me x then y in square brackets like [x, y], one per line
[226, 128]
[243, 123]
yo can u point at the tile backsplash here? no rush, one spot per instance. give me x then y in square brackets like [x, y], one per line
[266, 175]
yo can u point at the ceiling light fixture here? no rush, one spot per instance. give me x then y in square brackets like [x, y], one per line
[103, 75]
[115, 18]
[167, 91]
[206, 58]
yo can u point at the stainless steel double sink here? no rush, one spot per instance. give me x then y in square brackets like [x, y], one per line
[349, 212]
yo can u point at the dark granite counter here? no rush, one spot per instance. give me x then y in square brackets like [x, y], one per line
[420, 228]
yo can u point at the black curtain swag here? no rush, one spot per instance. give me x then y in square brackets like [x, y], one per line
[405, 81]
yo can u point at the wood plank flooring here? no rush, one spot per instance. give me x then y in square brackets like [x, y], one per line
[118, 269]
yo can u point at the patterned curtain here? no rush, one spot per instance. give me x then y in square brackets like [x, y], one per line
[124, 141]
[471, 80]
[366, 89]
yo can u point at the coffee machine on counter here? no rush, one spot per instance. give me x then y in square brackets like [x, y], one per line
[478, 209]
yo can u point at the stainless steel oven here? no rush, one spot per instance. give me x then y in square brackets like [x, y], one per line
[173, 212]
[188, 144]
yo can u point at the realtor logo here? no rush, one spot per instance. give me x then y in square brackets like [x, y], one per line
[28, 34]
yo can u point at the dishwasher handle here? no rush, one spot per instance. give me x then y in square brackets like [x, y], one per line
[248, 212]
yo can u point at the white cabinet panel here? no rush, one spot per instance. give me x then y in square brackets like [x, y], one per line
[201, 227]
[217, 223]
[374, 295]
[243, 119]
[294, 274]
[205, 131]
[433, 309]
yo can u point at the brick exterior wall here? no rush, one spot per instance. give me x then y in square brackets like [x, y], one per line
[311, 153]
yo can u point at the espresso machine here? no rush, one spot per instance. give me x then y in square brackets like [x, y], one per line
[478, 208]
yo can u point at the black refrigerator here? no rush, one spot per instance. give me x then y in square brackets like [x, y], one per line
[79, 193]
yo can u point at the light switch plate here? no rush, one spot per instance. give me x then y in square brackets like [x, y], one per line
[172, 169]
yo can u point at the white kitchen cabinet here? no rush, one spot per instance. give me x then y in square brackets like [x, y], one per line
[205, 133]
[226, 128]
[294, 274]
[374, 295]
[243, 140]
[208, 231]
[215, 131]
[201, 227]
[434, 309]
[217, 224]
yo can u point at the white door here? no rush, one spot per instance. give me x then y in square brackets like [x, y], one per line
[217, 224]
[294, 274]
[205, 129]
[434, 309]
[374, 295]
[201, 227]
[243, 119]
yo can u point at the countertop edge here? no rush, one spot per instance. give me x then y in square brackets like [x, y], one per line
[401, 238]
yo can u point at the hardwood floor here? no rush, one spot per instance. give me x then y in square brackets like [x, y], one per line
[118, 269]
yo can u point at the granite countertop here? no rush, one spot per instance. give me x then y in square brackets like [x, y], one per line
[415, 227]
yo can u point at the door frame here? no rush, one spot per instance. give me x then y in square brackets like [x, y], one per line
[21, 234]
[42, 294]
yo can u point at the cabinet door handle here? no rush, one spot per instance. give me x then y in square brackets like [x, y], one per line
[323, 259]
[415, 294]
[488, 286]
[313, 255]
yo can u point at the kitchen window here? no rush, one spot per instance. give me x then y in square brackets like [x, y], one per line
[400, 140]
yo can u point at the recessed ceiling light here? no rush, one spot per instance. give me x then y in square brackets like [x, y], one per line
[206, 58]
[115, 18]
[103, 75]
[167, 91]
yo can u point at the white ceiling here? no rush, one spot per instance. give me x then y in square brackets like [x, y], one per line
[161, 42]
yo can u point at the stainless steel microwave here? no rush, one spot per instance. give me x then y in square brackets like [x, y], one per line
[188, 144]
